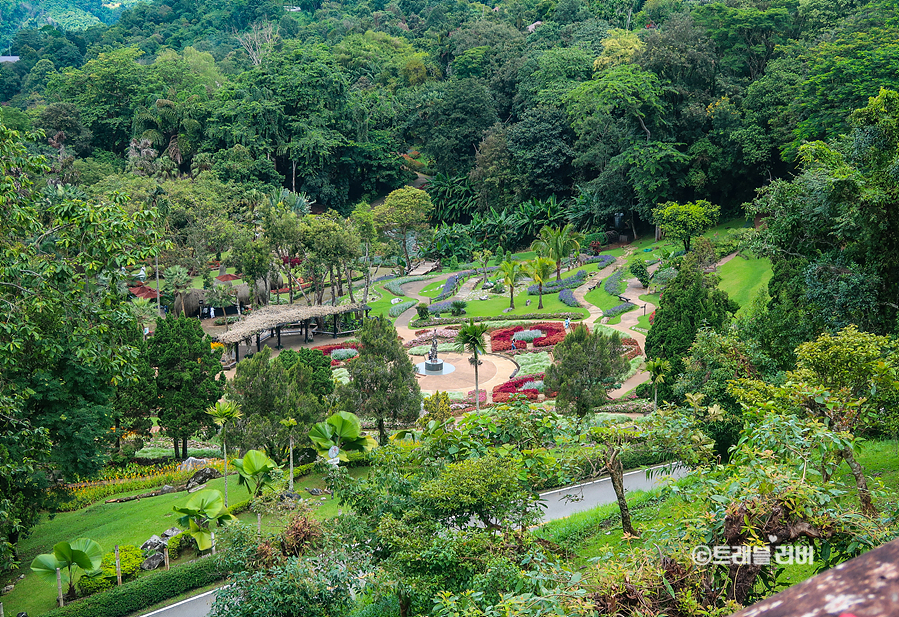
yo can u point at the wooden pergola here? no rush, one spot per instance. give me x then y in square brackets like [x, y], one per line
[274, 320]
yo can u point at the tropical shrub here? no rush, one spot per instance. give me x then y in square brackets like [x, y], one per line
[457, 308]
[422, 310]
[130, 558]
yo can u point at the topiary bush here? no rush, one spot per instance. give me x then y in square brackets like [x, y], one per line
[422, 310]
[130, 558]
[144, 591]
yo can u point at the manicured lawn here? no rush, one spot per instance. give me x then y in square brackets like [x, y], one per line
[643, 324]
[496, 304]
[133, 523]
[599, 298]
[743, 278]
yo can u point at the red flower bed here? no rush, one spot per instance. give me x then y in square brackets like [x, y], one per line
[554, 332]
[632, 348]
[504, 392]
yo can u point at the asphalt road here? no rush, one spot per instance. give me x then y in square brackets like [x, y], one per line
[564, 502]
[559, 504]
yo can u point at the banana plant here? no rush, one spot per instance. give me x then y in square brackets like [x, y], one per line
[342, 430]
[256, 471]
[200, 512]
[81, 554]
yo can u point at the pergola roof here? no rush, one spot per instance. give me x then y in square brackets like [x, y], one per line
[273, 316]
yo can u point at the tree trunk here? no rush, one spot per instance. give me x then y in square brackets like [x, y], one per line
[540, 301]
[655, 397]
[616, 473]
[349, 278]
[512, 295]
[333, 297]
[477, 391]
[406, 253]
[864, 495]
[367, 275]
[184, 447]
[558, 270]
[291, 465]
[382, 432]
[177, 449]
[225, 452]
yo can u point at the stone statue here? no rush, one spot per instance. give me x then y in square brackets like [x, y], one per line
[432, 355]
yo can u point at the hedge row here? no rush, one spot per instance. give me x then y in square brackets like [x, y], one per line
[437, 321]
[145, 591]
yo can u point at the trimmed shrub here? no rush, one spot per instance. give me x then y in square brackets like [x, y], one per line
[144, 591]
[398, 309]
[130, 557]
[536, 384]
[440, 321]
[422, 310]
[640, 272]
[394, 285]
[343, 354]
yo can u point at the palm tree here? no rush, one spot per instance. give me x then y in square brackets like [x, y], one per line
[471, 338]
[657, 370]
[145, 312]
[178, 278]
[540, 269]
[289, 424]
[511, 271]
[557, 244]
[223, 413]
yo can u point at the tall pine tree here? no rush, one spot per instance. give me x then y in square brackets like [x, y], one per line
[186, 371]
[382, 378]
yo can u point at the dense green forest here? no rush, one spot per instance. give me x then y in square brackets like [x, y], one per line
[189, 136]
[610, 107]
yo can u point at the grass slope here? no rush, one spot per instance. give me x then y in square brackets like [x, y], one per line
[133, 523]
[742, 279]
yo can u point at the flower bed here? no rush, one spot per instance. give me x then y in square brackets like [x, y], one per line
[398, 309]
[440, 307]
[566, 297]
[527, 335]
[504, 392]
[575, 280]
[530, 363]
[501, 340]
[422, 350]
[328, 349]
[632, 347]
[613, 284]
[618, 310]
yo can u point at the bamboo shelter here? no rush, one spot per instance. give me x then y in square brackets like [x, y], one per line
[275, 320]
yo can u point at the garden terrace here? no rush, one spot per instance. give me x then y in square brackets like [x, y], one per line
[273, 320]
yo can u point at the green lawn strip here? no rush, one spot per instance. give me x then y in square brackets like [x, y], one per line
[132, 522]
[743, 278]
[643, 324]
[599, 298]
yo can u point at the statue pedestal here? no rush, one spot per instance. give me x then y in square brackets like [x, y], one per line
[436, 366]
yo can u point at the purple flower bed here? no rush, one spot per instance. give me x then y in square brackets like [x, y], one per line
[440, 307]
[449, 288]
[602, 260]
[567, 298]
[575, 280]
[612, 286]
[618, 310]
[385, 278]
